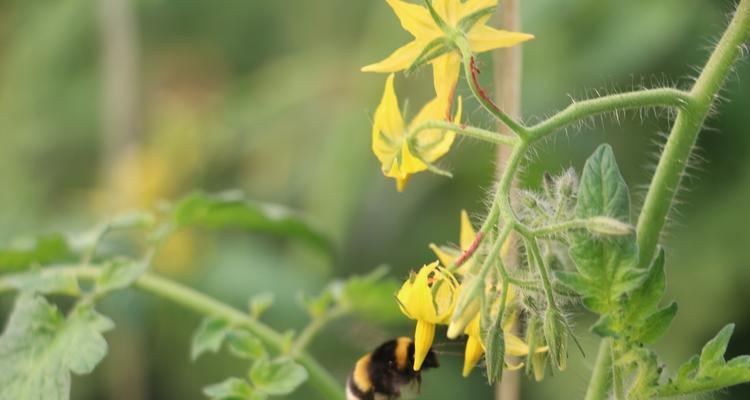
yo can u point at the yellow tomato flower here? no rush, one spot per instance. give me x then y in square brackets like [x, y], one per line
[390, 136]
[514, 345]
[417, 20]
[428, 307]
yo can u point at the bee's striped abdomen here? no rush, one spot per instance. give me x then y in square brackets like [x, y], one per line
[359, 385]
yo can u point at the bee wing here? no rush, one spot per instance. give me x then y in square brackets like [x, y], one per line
[410, 390]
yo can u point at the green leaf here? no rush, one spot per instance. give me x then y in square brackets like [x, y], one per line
[260, 303]
[40, 348]
[709, 371]
[646, 381]
[231, 210]
[46, 281]
[602, 191]
[605, 327]
[278, 377]
[606, 264]
[577, 282]
[42, 250]
[318, 305]
[370, 296]
[244, 345]
[712, 355]
[209, 336]
[232, 389]
[119, 274]
[644, 300]
[656, 325]
[135, 219]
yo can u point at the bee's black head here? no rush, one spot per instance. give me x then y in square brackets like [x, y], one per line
[431, 361]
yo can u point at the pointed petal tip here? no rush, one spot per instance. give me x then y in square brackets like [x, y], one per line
[454, 331]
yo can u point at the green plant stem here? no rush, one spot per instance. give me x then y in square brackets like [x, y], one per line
[312, 329]
[588, 108]
[468, 131]
[558, 227]
[320, 379]
[473, 81]
[687, 126]
[533, 246]
[601, 378]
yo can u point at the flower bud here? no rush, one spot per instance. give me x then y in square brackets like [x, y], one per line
[556, 335]
[608, 226]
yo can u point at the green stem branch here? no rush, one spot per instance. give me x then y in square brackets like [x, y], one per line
[601, 377]
[471, 72]
[588, 108]
[468, 131]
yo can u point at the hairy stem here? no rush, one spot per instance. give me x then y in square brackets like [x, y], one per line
[472, 78]
[601, 377]
[674, 158]
[469, 131]
[588, 108]
[312, 329]
[320, 379]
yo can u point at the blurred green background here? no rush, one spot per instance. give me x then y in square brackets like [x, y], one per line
[114, 104]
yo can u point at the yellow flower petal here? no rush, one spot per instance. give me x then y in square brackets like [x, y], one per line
[433, 143]
[468, 235]
[483, 38]
[445, 71]
[410, 163]
[416, 294]
[388, 130]
[511, 367]
[445, 257]
[515, 346]
[423, 337]
[472, 6]
[415, 19]
[401, 183]
[449, 10]
[400, 59]
[472, 355]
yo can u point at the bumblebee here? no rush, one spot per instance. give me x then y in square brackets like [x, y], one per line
[387, 372]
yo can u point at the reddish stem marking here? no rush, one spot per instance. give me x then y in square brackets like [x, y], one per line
[470, 251]
[475, 79]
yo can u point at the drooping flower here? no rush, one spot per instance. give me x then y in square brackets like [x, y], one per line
[460, 18]
[400, 154]
[475, 348]
[429, 297]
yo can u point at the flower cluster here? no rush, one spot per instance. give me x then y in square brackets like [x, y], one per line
[445, 31]
[430, 296]
[447, 34]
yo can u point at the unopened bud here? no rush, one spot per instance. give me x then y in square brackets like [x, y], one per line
[556, 335]
[608, 226]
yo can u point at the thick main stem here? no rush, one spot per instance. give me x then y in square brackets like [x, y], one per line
[688, 124]
[672, 163]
